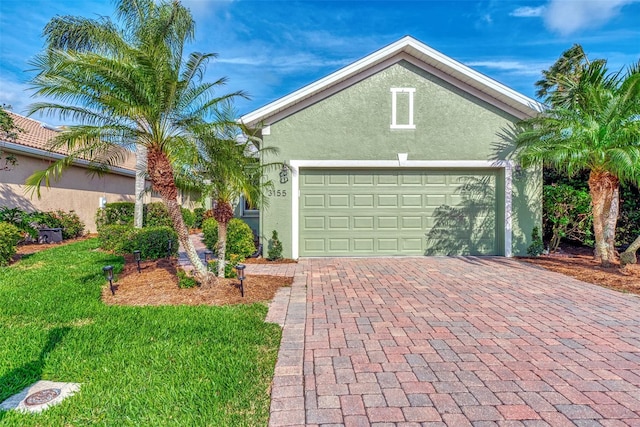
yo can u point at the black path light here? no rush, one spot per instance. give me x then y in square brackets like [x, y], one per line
[136, 255]
[169, 248]
[240, 271]
[208, 254]
[108, 273]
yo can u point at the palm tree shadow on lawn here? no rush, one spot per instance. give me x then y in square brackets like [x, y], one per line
[17, 379]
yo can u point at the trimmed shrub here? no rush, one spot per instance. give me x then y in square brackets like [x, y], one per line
[210, 233]
[188, 218]
[20, 219]
[239, 237]
[117, 213]
[152, 242]
[71, 224]
[537, 247]
[198, 214]
[156, 215]
[185, 281]
[114, 237]
[275, 247]
[9, 238]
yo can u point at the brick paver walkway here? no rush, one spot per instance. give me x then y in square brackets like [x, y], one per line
[453, 341]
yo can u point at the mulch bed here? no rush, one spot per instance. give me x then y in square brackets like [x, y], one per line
[578, 262]
[157, 284]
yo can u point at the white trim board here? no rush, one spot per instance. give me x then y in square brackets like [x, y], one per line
[296, 165]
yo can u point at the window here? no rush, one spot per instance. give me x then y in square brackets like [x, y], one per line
[402, 108]
[247, 209]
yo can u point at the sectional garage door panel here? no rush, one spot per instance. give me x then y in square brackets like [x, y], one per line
[398, 212]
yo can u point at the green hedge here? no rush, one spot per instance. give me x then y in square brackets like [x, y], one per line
[152, 242]
[113, 237]
[118, 213]
[156, 215]
[188, 217]
[9, 238]
[239, 237]
[198, 214]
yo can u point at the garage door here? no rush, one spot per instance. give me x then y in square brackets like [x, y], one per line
[398, 212]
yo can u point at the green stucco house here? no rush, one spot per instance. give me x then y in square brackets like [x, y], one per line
[402, 153]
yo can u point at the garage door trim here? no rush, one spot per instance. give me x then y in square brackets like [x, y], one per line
[296, 165]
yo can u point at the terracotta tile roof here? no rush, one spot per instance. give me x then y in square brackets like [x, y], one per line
[38, 135]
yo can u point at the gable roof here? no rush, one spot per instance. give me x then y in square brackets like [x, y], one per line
[36, 138]
[413, 51]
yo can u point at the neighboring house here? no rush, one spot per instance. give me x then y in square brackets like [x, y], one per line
[404, 152]
[76, 190]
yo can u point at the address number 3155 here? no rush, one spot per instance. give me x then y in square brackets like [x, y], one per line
[277, 193]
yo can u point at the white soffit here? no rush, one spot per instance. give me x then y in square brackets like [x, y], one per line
[478, 81]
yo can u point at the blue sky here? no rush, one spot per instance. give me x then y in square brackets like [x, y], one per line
[271, 48]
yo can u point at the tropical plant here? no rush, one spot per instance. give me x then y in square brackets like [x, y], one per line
[275, 247]
[9, 238]
[226, 166]
[537, 246]
[567, 214]
[600, 133]
[8, 132]
[127, 86]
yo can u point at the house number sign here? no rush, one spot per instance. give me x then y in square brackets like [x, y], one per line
[277, 193]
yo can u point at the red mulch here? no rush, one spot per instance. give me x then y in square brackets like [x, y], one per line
[578, 262]
[157, 284]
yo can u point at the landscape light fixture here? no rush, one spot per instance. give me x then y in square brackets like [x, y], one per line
[169, 248]
[240, 272]
[108, 273]
[136, 255]
[208, 254]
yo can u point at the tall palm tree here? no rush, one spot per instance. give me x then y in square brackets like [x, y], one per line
[600, 133]
[227, 166]
[126, 86]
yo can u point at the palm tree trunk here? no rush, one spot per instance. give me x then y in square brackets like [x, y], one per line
[222, 247]
[612, 220]
[163, 182]
[629, 256]
[603, 187]
[141, 166]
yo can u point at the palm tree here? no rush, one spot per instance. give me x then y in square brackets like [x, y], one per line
[127, 86]
[227, 166]
[598, 132]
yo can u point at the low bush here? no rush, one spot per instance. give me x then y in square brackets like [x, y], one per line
[72, 225]
[152, 242]
[537, 247]
[275, 247]
[156, 215]
[239, 237]
[198, 217]
[185, 281]
[20, 219]
[114, 237]
[117, 213]
[9, 238]
[210, 233]
[188, 218]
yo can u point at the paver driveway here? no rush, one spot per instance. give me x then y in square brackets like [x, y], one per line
[453, 341]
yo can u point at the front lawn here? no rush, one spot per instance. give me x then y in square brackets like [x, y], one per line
[178, 365]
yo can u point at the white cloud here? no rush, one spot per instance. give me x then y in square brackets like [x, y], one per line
[528, 12]
[567, 17]
[202, 8]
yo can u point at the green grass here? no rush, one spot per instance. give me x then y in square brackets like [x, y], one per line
[182, 366]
